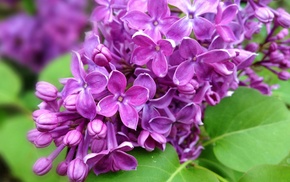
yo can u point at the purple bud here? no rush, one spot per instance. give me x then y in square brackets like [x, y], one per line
[42, 166]
[97, 129]
[283, 18]
[46, 91]
[32, 135]
[46, 122]
[252, 47]
[189, 88]
[102, 55]
[276, 56]
[264, 14]
[273, 46]
[62, 168]
[77, 170]
[284, 75]
[282, 34]
[70, 102]
[212, 98]
[39, 112]
[43, 140]
[73, 138]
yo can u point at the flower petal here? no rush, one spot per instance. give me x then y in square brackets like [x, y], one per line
[129, 116]
[202, 28]
[160, 65]
[157, 9]
[187, 114]
[208, 6]
[86, 105]
[124, 161]
[72, 86]
[141, 55]
[137, 95]
[137, 20]
[93, 158]
[142, 39]
[189, 48]
[229, 14]
[184, 73]
[180, 29]
[107, 106]
[161, 124]
[213, 56]
[96, 81]
[117, 82]
[145, 80]
[77, 67]
[163, 101]
[167, 46]
[226, 33]
[91, 42]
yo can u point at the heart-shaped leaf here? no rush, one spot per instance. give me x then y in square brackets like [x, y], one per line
[248, 129]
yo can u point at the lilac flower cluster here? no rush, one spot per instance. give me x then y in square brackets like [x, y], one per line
[144, 76]
[34, 40]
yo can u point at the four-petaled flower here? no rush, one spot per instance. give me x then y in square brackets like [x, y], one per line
[124, 101]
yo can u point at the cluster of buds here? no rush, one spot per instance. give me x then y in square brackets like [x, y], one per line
[148, 81]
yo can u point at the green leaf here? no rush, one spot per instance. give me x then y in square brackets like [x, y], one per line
[59, 68]
[267, 173]
[157, 166]
[248, 129]
[20, 155]
[208, 160]
[30, 100]
[10, 84]
[283, 91]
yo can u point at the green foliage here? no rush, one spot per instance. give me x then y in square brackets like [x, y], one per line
[57, 69]
[267, 173]
[248, 129]
[10, 84]
[19, 154]
[158, 166]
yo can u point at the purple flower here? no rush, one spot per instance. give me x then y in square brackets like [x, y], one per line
[150, 140]
[223, 19]
[85, 85]
[201, 27]
[123, 101]
[197, 61]
[156, 23]
[148, 50]
[114, 158]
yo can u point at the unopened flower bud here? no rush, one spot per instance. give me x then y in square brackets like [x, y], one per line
[46, 122]
[273, 46]
[189, 88]
[282, 34]
[70, 102]
[43, 140]
[264, 14]
[73, 138]
[32, 135]
[77, 170]
[283, 18]
[42, 166]
[62, 168]
[39, 112]
[102, 55]
[46, 91]
[97, 129]
[252, 47]
[276, 56]
[284, 75]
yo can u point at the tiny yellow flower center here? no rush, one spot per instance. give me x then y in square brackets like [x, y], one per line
[157, 48]
[120, 99]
